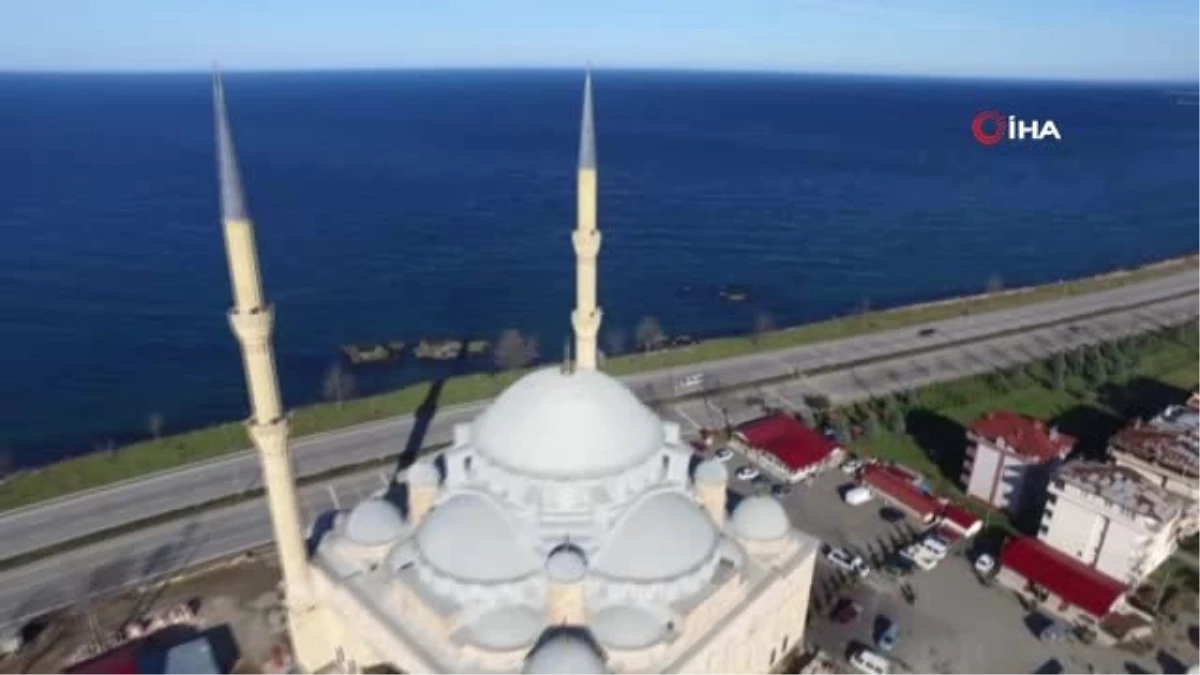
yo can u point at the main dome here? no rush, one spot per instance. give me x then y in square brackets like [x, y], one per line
[583, 424]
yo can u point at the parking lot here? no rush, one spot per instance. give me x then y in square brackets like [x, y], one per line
[955, 625]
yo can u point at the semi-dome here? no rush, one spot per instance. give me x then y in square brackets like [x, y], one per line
[628, 627]
[582, 424]
[566, 564]
[374, 522]
[760, 518]
[711, 472]
[506, 628]
[469, 537]
[663, 537]
[423, 473]
[565, 651]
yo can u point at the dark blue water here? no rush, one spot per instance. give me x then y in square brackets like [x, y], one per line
[401, 205]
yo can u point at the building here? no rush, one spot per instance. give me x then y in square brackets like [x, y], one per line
[1110, 518]
[1010, 458]
[960, 521]
[1062, 585]
[784, 447]
[567, 529]
[1166, 452]
[902, 488]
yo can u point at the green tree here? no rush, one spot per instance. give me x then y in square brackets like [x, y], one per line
[895, 420]
[872, 425]
[1058, 372]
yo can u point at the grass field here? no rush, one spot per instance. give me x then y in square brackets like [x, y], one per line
[145, 457]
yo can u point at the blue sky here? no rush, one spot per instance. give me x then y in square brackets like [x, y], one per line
[1072, 39]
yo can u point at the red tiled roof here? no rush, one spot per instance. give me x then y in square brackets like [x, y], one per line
[1062, 575]
[960, 519]
[1025, 435]
[123, 660]
[794, 444]
[899, 486]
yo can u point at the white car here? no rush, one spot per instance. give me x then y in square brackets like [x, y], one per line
[866, 661]
[856, 496]
[851, 466]
[935, 545]
[847, 561]
[922, 557]
[692, 381]
[724, 454]
[747, 473]
[984, 564]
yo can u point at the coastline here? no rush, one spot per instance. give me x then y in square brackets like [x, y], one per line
[150, 456]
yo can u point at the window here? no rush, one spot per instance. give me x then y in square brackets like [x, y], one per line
[1051, 499]
[1043, 529]
[772, 661]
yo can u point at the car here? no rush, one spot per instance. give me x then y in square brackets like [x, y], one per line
[851, 466]
[926, 332]
[724, 454]
[897, 565]
[921, 556]
[984, 564]
[747, 473]
[866, 661]
[693, 381]
[935, 545]
[891, 514]
[857, 495]
[781, 490]
[846, 611]
[847, 561]
[886, 633]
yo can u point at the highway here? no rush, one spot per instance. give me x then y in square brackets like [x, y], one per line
[33, 589]
[49, 523]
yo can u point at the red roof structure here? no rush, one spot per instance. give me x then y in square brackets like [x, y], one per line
[1025, 435]
[961, 520]
[1071, 580]
[900, 486]
[124, 660]
[794, 444]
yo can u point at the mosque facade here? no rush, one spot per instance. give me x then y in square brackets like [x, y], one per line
[567, 529]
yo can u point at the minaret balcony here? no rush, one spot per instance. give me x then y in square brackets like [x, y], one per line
[587, 244]
[252, 328]
[586, 324]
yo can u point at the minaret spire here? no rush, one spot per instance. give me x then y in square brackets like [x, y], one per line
[586, 239]
[251, 320]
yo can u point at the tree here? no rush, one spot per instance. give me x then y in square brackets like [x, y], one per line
[1058, 372]
[1097, 370]
[763, 323]
[155, 424]
[843, 429]
[339, 384]
[872, 424]
[995, 284]
[614, 341]
[649, 334]
[513, 350]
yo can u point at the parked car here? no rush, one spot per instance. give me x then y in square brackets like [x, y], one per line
[891, 514]
[693, 381]
[886, 633]
[984, 564]
[935, 545]
[747, 473]
[847, 561]
[897, 565]
[846, 611]
[725, 454]
[921, 556]
[866, 661]
[851, 467]
[926, 332]
[857, 496]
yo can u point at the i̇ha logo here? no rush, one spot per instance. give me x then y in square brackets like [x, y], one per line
[991, 127]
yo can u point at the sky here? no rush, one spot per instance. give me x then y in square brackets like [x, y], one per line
[1043, 39]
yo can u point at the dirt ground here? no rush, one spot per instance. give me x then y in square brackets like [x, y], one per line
[241, 594]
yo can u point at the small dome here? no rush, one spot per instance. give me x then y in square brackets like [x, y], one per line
[506, 628]
[627, 627]
[566, 564]
[551, 424]
[760, 518]
[662, 537]
[373, 522]
[711, 472]
[565, 651]
[471, 538]
[423, 473]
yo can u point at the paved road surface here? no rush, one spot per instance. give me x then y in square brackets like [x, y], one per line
[69, 518]
[35, 588]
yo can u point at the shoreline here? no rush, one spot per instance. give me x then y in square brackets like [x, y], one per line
[143, 457]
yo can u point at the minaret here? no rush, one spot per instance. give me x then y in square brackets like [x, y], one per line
[586, 317]
[251, 319]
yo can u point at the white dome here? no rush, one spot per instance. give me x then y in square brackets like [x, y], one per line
[760, 518]
[566, 564]
[470, 538]
[506, 628]
[423, 473]
[711, 472]
[566, 651]
[663, 537]
[373, 522]
[583, 424]
[627, 627]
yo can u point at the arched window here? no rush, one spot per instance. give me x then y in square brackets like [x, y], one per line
[467, 465]
[772, 661]
[785, 641]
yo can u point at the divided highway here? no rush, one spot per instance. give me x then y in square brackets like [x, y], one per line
[123, 561]
[43, 525]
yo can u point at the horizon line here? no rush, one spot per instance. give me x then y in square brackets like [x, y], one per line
[748, 70]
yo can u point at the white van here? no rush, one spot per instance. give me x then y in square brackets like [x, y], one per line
[867, 661]
[858, 495]
[690, 382]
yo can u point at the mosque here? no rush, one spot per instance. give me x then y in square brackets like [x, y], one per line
[567, 529]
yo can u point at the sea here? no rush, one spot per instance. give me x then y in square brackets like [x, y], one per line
[397, 205]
